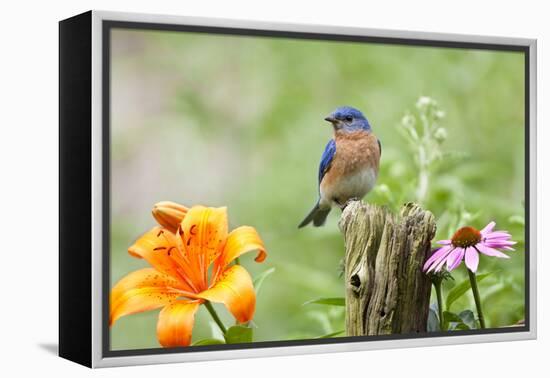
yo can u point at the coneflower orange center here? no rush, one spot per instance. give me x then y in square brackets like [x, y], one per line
[466, 237]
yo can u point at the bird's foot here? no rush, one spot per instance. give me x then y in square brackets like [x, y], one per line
[353, 199]
[345, 204]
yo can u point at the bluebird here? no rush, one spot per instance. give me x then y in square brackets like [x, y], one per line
[349, 165]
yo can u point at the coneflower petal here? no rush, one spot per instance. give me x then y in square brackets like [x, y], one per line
[486, 250]
[488, 229]
[471, 258]
[497, 235]
[436, 257]
[455, 258]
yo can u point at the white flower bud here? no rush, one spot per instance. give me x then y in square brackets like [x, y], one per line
[383, 189]
[440, 134]
[408, 120]
[424, 101]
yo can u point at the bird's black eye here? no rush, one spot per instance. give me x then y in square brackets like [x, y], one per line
[349, 118]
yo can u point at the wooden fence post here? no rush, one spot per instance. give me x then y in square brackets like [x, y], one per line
[386, 291]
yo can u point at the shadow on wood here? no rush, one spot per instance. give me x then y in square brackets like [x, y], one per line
[386, 291]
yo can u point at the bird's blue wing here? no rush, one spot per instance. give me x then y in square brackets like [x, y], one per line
[326, 159]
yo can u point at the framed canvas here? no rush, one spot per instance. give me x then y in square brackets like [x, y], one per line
[233, 189]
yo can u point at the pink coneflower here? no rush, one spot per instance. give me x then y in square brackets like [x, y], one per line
[467, 243]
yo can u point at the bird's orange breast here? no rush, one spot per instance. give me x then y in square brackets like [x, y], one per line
[355, 151]
[354, 167]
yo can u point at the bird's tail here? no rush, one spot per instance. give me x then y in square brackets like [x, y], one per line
[317, 215]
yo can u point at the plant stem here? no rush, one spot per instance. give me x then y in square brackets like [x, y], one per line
[423, 176]
[437, 285]
[215, 316]
[475, 291]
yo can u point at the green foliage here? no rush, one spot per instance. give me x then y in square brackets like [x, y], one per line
[208, 342]
[239, 334]
[332, 334]
[462, 288]
[425, 137]
[463, 321]
[260, 278]
[341, 301]
[468, 318]
[323, 318]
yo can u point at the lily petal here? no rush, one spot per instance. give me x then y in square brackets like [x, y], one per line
[235, 290]
[242, 240]
[203, 233]
[158, 247]
[471, 259]
[142, 290]
[175, 323]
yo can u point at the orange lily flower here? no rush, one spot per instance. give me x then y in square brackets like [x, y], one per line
[181, 252]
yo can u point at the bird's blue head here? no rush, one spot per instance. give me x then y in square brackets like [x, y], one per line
[348, 119]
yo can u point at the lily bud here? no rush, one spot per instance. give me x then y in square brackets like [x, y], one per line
[169, 214]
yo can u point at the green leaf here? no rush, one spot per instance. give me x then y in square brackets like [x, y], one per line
[433, 321]
[458, 327]
[328, 335]
[260, 278]
[449, 317]
[468, 318]
[460, 289]
[339, 301]
[453, 322]
[238, 334]
[208, 342]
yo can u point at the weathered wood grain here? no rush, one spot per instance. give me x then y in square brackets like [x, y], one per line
[386, 291]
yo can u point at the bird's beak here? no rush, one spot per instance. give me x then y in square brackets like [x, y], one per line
[330, 119]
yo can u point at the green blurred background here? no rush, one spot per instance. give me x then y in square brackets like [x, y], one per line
[238, 121]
